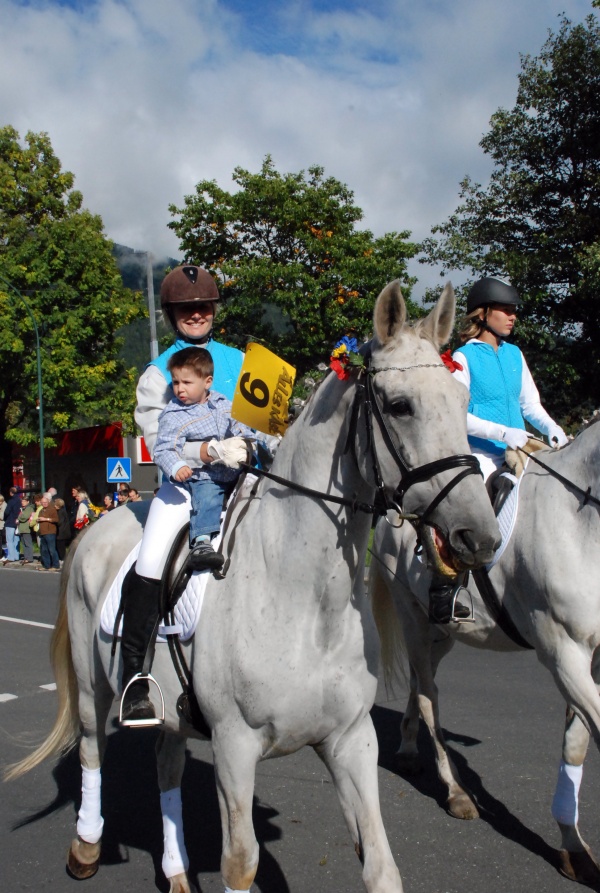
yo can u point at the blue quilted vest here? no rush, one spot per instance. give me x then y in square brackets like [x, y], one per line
[228, 363]
[495, 389]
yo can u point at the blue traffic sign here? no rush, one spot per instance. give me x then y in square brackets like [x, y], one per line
[118, 470]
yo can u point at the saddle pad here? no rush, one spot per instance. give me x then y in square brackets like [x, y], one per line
[507, 519]
[187, 610]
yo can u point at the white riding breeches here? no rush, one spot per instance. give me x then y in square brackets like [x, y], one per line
[169, 511]
[488, 464]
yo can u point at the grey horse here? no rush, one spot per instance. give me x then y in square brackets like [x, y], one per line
[286, 653]
[548, 581]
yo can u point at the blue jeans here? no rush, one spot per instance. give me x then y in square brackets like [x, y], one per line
[207, 504]
[12, 544]
[48, 552]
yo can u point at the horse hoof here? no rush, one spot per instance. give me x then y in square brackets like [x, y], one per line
[408, 763]
[179, 884]
[83, 859]
[460, 806]
[580, 866]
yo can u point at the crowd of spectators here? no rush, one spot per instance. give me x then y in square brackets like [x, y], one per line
[37, 528]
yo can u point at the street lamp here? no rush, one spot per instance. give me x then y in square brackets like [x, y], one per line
[39, 377]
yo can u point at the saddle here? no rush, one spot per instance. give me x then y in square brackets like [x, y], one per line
[500, 484]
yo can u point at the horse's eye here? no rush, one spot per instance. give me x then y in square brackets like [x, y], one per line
[399, 407]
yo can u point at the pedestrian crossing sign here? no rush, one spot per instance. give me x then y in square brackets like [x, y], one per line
[118, 470]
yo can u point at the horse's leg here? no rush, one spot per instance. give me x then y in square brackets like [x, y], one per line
[235, 758]
[425, 656]
[577, 862]
[84, 855]
[408, 760]
[352, 762]
[170, 760]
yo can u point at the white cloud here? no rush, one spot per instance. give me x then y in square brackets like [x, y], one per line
[143, 99]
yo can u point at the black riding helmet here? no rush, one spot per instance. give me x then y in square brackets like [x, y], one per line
[187, 284]
[491, 290]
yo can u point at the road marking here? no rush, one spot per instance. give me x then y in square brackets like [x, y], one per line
[50, 687]
[27, 622]
[7, 697]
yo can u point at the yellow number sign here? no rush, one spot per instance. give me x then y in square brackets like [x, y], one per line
[263, 391]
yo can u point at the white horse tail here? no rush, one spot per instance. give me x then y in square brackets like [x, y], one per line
[67, 726]
[389, 627]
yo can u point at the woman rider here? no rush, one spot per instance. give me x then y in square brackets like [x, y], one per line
[189, 296]
[502, 396]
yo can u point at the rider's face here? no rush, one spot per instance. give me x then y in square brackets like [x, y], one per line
[501, 319]
[194, 320]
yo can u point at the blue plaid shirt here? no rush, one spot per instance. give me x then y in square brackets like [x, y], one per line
[179, 423]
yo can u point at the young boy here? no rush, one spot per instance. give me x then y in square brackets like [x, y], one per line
[199, 414]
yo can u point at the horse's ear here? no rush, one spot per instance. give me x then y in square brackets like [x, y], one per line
[390, 313]
[440, 322]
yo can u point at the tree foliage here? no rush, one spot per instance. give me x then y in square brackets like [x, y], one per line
[296, 272]
[538, 219]
[56, 261]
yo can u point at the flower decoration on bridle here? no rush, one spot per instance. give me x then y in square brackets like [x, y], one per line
[449, 363]
[345, 357]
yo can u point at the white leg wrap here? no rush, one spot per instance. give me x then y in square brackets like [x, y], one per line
[565, 805]
[175, 858]
[229, 890]
[89, 821]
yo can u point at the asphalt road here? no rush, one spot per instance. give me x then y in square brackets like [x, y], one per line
[501, 714]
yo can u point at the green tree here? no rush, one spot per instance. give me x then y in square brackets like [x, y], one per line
[54, 254]
[539, 216]
[296, 272]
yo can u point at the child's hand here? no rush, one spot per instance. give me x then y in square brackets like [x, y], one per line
[183, 474]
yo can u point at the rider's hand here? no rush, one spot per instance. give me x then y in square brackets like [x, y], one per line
[184, 473]
[229, 452]
[557, 437]
[514, 437]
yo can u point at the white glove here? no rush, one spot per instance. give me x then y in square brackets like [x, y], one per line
[557, 437]
[514, 437]
[229, 452]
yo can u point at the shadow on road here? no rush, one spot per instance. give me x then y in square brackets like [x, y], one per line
[131, 810]
[492, 811]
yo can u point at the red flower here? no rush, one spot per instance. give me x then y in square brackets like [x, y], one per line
[451, 364]
[340, 369]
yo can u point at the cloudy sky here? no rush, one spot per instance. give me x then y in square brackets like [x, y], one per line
[144, 98]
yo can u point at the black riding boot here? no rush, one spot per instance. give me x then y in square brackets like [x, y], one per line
[443, 606]
[140, 621]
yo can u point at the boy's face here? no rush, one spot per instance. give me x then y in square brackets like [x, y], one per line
[189, 387]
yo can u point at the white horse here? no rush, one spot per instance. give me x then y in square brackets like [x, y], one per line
[286, 653]
[548, 582]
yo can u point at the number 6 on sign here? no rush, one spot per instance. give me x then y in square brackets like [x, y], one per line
[263, 391]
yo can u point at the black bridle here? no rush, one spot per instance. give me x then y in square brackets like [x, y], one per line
[366, 396]
[409, 477]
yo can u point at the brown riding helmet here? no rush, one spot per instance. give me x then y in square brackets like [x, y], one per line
[187, 284]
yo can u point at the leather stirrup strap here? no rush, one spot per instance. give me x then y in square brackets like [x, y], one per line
[496, 610]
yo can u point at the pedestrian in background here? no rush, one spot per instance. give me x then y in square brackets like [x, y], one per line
[82, 519]
[63, 537]
[48, 521]
[123, 495]
[2, 534]
[13, 507]
[134, 495]
[73, 509]
[108, 503]
[24, 531]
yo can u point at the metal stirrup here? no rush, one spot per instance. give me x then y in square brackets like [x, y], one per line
[140, 723]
